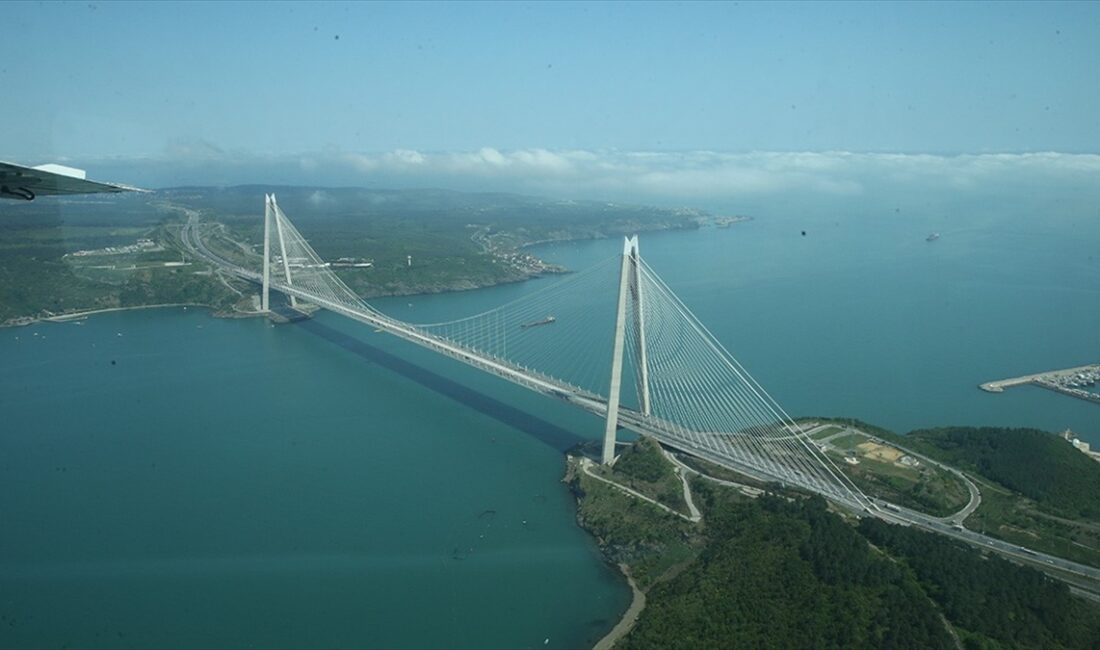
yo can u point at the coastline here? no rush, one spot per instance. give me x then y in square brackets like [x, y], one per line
[22, 321]
[82, 314]
[77, 315]
[547, 269]
[629, 617]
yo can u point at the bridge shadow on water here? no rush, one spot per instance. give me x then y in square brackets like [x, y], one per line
[547, 432]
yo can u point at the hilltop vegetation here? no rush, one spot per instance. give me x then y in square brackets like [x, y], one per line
[783, 571]
[1034, 463]
[1036, 489]
[643, 467]
[989, 598]
[786, 574]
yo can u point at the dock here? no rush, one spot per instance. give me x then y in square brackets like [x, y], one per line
[1067, 381]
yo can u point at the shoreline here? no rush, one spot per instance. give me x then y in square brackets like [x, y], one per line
[630, 616]
[22, 321]
[81, 315]
[77, 315]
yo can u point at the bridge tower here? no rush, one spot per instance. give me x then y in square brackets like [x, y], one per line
[265, 301]
[629, 305]
[271, 211]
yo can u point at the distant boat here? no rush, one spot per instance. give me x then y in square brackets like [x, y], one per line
[933, 237]
[545, 321]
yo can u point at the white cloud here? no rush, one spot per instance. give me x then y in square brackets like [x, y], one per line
[640, 175]
[405, 157]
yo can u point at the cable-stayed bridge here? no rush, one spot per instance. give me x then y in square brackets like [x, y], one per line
[615, 341]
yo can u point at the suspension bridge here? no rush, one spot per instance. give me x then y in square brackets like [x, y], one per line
[613, 340]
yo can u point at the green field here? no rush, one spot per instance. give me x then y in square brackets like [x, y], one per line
[825, 432]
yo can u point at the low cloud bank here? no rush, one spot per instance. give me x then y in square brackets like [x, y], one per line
[657, 176]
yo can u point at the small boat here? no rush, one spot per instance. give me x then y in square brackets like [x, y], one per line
[545, 321]
[933, 237]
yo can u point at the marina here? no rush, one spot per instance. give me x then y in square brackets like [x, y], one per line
[1070, 381]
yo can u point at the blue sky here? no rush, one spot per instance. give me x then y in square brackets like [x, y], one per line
[253, 84]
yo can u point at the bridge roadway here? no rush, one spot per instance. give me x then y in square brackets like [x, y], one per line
[1084, 579]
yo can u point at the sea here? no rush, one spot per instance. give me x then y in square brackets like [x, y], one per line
[171, 479]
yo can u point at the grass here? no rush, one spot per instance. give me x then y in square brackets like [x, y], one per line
[826, 432]
[643, 467]
[849, 441]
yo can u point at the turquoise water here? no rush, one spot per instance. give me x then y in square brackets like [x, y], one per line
[231, 483]
[228, 483]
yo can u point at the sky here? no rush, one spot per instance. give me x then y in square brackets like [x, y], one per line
[544, 96]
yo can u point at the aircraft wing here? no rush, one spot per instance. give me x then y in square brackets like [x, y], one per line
[25, 183]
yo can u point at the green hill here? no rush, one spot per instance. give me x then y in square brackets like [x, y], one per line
[1034, 463]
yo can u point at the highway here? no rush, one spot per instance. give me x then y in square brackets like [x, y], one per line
[1083, 577]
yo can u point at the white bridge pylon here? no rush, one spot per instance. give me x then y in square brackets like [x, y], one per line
[573, 339]
[629, 306]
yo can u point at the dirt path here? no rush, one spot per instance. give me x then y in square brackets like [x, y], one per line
[586, 466]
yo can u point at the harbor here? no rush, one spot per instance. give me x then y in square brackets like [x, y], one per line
[1069, 381]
